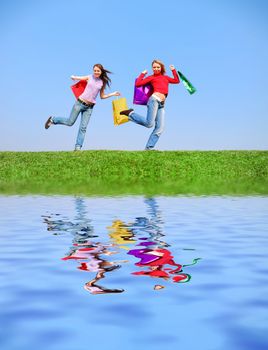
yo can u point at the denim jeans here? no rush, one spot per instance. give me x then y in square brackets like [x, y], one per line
[155, 117]
[86, 112]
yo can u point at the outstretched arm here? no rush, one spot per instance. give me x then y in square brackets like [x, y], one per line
[77, 77]
[103, 95]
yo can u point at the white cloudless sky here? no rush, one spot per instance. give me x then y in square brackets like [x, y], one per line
[220, 46]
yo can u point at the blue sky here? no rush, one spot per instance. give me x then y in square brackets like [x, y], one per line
[221, 47]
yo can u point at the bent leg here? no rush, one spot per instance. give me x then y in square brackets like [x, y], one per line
[72, 118]
[85, 117]
[148, 121]
[158, 129]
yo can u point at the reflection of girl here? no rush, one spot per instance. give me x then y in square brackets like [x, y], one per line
[155, 260]
[93, 288]
[94, 263]
[155, 105]
[96, 83]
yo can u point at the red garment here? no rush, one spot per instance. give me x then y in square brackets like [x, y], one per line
[159, 82]
[152, 273]
[180, 278]
[165, 259]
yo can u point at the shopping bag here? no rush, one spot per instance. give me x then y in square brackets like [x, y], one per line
[142, 94]
[79, 87]
[119, 105]
[190, 88]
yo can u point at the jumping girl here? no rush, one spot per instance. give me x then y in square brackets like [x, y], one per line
[155, 105]
[96, 83]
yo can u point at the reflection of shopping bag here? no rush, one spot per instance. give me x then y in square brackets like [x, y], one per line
[119, 105]
[79, 87]
[142, 94]
[190, 88]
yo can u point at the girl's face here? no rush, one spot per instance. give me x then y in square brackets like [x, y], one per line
[96, 72]
[156, 68]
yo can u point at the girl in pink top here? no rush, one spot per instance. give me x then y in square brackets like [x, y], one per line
[96, 84]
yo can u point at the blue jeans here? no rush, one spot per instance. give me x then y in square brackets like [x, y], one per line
[155, 117]
[86, 112]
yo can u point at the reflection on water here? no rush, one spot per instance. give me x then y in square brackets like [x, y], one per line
[146, 233]
[88, 254]
[57, 251]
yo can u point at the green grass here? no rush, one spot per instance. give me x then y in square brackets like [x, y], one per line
[140, 172]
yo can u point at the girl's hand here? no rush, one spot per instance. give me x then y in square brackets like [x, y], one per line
[116, 93]
[73, 77]
[144, 72]
[171, 67]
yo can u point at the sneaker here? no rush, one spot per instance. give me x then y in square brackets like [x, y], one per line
[49, 122]
[77, 148]
[126, 112]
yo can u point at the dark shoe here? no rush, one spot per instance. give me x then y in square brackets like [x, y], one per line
[49, 122]
[126, 112]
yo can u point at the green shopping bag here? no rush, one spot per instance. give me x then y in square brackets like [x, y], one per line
[190, 88]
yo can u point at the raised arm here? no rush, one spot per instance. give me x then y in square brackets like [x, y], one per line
[175, 79]
[141, 80]
[77, 77]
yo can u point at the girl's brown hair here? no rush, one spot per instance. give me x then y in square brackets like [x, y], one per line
[163, 69]
[104, 76]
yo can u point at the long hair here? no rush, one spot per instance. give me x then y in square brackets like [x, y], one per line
[163, 69]
[104, 76]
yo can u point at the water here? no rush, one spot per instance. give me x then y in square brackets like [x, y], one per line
[133, 272]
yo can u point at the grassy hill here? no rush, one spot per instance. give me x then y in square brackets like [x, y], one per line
[139, 172]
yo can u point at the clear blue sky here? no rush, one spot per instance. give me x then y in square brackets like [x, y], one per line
[221, 47]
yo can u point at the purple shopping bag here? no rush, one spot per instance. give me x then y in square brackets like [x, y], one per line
[142, 94]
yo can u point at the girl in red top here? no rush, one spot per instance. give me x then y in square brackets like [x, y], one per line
[155, 105]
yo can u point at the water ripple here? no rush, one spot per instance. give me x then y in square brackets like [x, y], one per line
[188, 272]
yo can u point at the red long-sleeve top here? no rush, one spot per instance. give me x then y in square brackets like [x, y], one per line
[159, 82]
